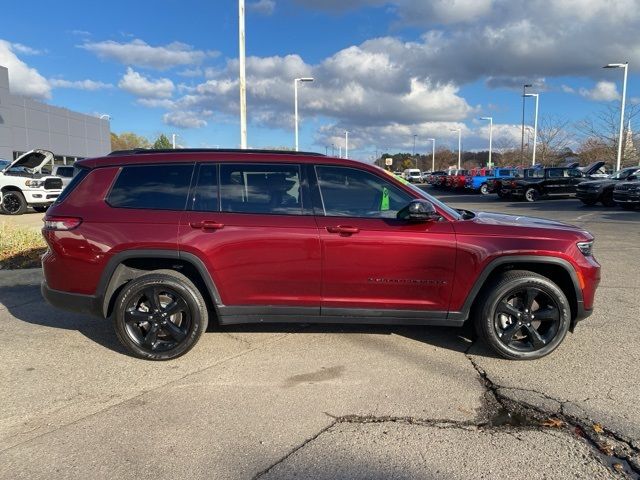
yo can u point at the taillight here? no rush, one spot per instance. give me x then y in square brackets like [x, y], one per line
[61, 223]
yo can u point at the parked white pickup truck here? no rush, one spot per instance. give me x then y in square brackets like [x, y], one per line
[24, 184]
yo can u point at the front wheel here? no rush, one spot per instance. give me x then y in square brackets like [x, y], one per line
[524, 316]
[160, 315]
[484, 190]
[13, 203]
[607, 199]
[531, 195]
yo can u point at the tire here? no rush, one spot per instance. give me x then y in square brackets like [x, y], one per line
[501, 195]
[531, 195]
[484, 190]
[517, 337]
[41, 209]
[607, 199]
[13, 203]
[590, 203]
[160, 336]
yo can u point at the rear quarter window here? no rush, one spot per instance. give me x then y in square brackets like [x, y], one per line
[155, 187]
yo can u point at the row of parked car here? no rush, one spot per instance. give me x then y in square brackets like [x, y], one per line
[590, 184]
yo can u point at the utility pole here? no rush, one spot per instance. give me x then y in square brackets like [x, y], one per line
[524, 92]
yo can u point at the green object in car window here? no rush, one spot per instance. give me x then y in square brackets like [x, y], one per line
[384, 201]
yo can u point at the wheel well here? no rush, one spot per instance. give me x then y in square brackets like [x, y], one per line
[11, 188]
[556, 273]
[131, 268]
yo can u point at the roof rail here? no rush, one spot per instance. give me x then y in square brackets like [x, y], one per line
[139, 151]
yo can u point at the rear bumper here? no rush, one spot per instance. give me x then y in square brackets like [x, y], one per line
[73, 302]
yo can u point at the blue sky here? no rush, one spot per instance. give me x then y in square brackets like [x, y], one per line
[384, 70]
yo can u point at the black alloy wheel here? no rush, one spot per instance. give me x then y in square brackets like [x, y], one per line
[524, 315]
[526, 319]
[13, 203]
[160, 315]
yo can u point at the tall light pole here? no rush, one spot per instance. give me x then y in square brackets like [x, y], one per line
[173, 140]
[524, 92]
[490, 136]
[413, 153]
[535, 126]
[459, 130]
[295, 101]
[243, 79]
[433, 154]
[624, 94]
[346, 144]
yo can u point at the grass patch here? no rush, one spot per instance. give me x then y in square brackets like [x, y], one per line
[20, 247]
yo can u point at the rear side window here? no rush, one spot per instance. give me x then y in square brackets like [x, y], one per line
[205, 198]
[158, 187]
[260, 189]
[64, 172]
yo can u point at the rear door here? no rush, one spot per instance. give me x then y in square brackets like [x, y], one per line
[371, 260]
[253, 227]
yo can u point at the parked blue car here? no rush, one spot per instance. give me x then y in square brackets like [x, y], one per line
[478, 183]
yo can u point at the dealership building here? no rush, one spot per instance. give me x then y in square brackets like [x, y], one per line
[26, 124]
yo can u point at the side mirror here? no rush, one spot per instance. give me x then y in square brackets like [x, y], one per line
[418, 211]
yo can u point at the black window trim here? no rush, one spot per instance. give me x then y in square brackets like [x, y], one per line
[122, 167]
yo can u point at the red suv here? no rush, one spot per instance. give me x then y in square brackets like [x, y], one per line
[165, 241]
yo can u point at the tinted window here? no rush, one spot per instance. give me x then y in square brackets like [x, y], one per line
[260, 189]
[64, 172]
[205, 198]
[79, 176]
[161, 187]
[348, 192]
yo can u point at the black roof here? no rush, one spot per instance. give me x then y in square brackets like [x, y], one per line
[138, 151]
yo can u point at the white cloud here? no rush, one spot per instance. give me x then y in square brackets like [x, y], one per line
[139, 53]
[23, 80]
[156, 103]
[141, 86]
[567, 89]
[25, 50]
[90, 85]
[263, 7]
[602, 92]
[185, 119]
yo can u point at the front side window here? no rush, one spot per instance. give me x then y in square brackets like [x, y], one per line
[257, 188]
[157, 187]
[349, 192]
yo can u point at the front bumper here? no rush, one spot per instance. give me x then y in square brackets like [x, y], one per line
[626, 197]
[41, 196]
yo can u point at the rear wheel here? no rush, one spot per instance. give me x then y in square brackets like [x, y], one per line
[531, 195]
[13, 203]
[484, 190]
[524, 316]
[160, 315]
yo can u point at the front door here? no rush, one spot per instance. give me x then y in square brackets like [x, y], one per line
[252, 225]
[371, 260]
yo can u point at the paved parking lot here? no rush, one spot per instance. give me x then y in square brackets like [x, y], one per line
[328, 401]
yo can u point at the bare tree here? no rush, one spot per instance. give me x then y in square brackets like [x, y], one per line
[554, 137]
[602, 129]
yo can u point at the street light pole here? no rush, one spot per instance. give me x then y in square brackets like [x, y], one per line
[624, 94]
[524, 92]
[173, 140]
[413, 154]
[535, 127]
[433, 154]
[346, 144]
[295, 101]
[459, 130]
[243, 79]
[490, 137]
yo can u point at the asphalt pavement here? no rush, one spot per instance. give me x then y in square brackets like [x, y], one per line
[318, 401]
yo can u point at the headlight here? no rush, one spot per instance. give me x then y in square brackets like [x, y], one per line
[34, 183]
[586, 248]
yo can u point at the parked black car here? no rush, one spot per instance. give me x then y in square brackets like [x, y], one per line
[495, 185]
[627, 194]
[555, 181]
[596, 191]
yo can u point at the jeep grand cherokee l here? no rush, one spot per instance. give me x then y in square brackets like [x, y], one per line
[163, 242]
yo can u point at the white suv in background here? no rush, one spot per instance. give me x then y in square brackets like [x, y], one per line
[23, 183]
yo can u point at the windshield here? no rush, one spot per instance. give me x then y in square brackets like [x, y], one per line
[621, 174]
